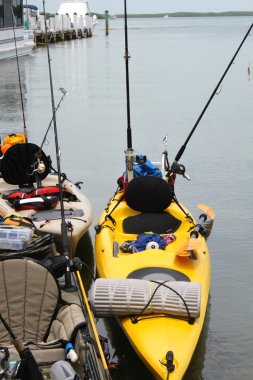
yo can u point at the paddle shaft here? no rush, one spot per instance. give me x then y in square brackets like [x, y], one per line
[182, 149]
[93, 326]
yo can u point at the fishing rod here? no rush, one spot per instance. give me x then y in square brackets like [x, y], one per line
[64, 234]
[64, 92]
[14, 24]
[183, 147]
[68, 284]
[129, 154]
[127, 57]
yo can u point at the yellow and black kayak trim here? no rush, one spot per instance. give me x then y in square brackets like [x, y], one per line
[164, 344]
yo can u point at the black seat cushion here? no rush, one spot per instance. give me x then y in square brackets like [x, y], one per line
[148, 194]
[158, 223]
[19, 162]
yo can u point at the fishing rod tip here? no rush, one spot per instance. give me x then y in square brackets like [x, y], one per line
[63, 91]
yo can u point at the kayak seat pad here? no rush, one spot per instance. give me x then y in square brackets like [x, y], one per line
[19, 163]
[148, 194]
[31, 304]
[159, 223]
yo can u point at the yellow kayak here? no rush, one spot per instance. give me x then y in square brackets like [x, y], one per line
[164, 343]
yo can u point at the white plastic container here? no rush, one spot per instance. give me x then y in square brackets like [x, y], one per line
[14, 237]
[62, 370]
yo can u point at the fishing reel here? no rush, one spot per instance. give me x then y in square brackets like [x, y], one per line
[41, 167]
[179, 169]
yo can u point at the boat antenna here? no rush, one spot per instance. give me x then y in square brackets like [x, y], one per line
[14, 24]
[64, 234]
[129, 154]
[183, 147]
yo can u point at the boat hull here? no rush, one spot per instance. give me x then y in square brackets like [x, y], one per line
[24, 43]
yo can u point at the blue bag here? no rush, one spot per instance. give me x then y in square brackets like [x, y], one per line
[142, 167]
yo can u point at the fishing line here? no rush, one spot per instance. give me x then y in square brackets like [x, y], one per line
[182, 149]
[14, 24]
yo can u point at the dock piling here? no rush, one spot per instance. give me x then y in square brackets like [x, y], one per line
[106, 23]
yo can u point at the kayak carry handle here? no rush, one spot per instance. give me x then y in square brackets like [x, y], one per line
[169, 361]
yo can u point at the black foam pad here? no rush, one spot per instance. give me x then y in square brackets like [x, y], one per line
[158, 223]
[19, 162]
[148, 194]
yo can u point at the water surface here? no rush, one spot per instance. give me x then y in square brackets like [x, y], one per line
[174, 67]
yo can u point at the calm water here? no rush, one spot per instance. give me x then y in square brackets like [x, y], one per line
[175, 65]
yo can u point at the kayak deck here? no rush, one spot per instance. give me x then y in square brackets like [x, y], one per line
[78, 213]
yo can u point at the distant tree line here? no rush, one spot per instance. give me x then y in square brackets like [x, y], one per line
[184, 14]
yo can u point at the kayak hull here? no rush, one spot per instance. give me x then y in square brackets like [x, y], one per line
[154, 335]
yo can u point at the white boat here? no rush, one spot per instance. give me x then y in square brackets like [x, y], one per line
[8, 34]
[80, 8]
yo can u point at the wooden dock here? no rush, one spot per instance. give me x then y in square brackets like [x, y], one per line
[61, 28]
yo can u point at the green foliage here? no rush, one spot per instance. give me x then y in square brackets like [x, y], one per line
[189, 14]
[176, 14]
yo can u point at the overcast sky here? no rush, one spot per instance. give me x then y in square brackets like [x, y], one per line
[156, 6]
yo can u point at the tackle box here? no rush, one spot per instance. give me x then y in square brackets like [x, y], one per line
[14, 237]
